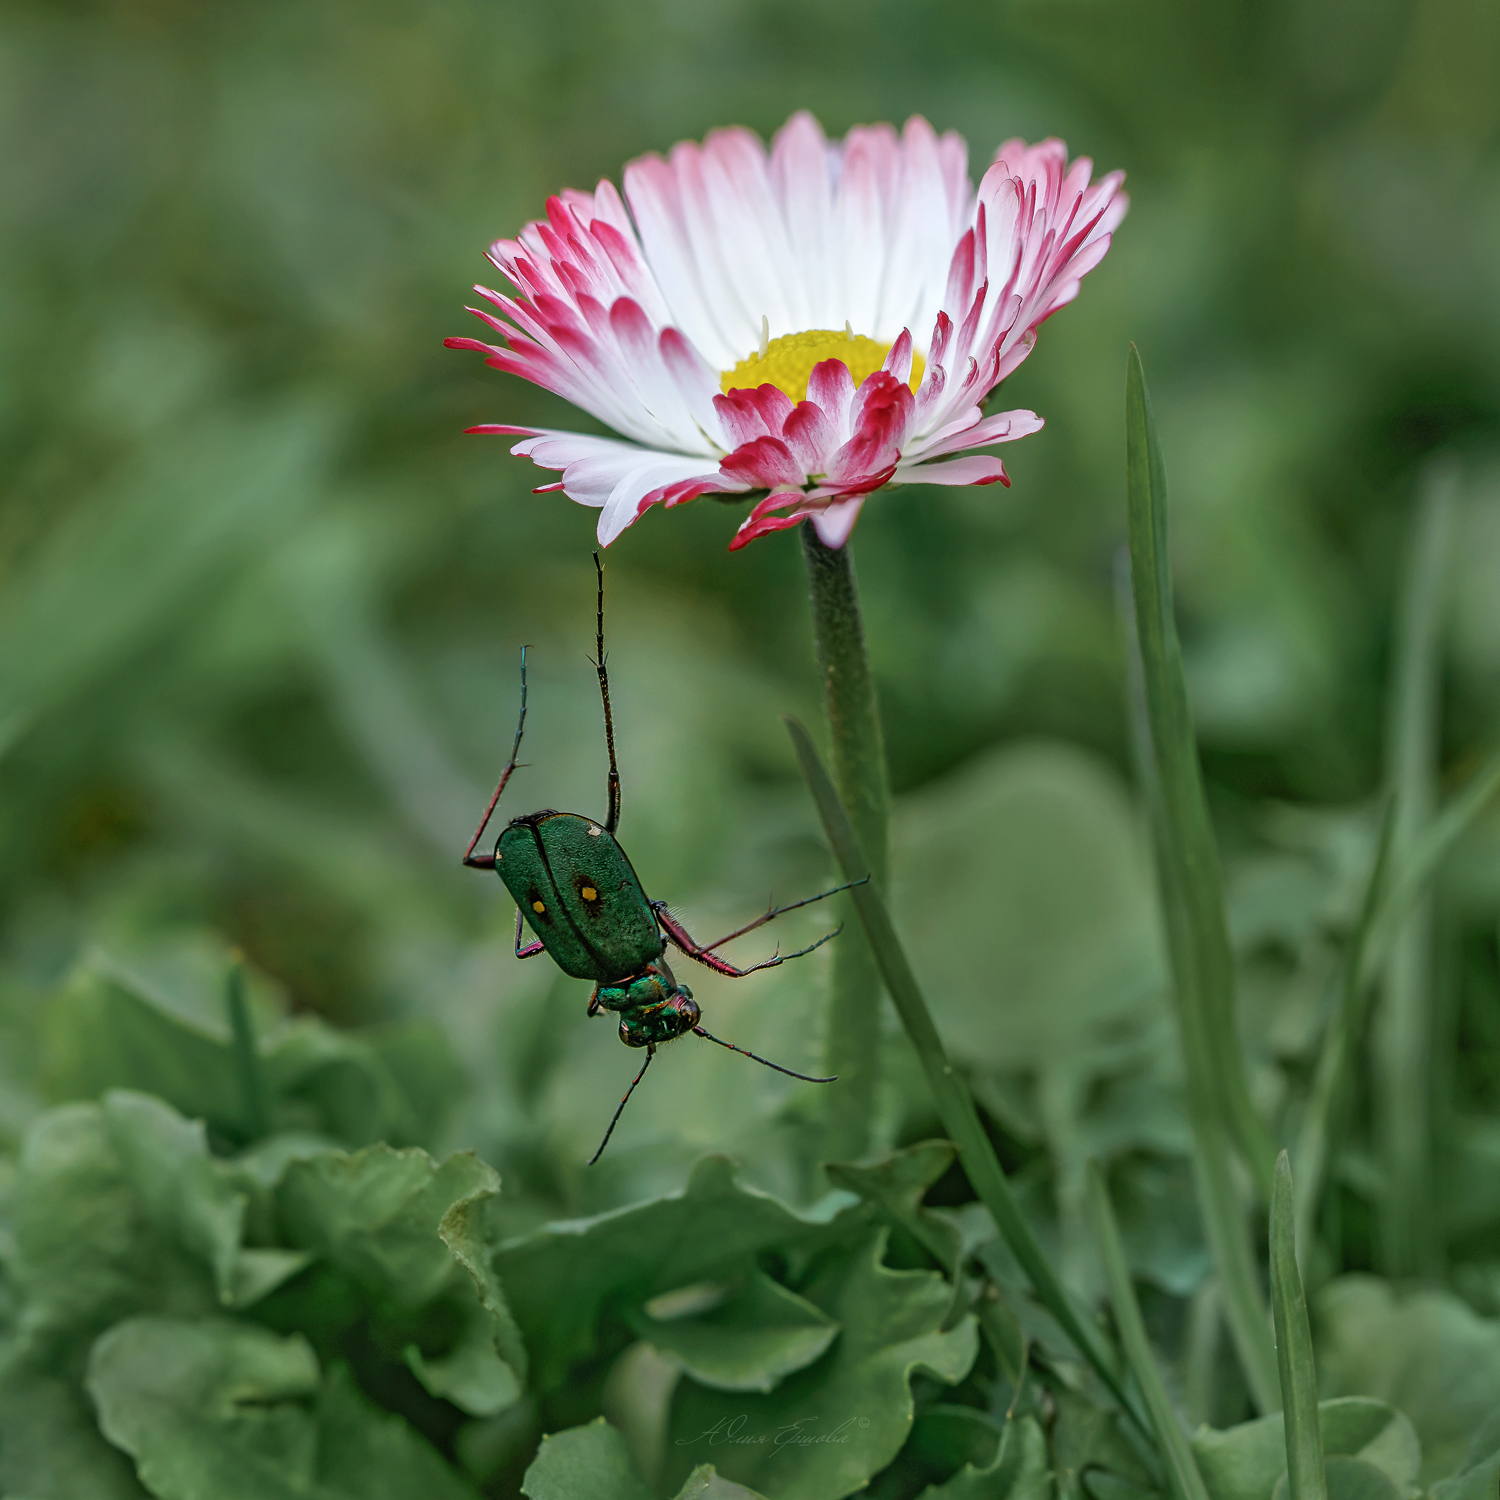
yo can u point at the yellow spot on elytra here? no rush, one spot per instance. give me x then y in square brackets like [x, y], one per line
[539, 906]
[589, 893]
[787, 362]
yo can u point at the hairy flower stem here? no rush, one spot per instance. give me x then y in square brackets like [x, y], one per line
[853, 1044]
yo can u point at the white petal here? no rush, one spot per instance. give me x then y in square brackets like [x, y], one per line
[834, 524]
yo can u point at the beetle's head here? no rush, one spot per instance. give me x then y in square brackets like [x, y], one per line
[673, 1016]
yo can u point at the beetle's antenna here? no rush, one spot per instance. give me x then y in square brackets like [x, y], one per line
[650, 1053]
[611, 822]
[699, 1031]
[487, 861]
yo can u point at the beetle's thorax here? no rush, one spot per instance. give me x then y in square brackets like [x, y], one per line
[653, 1007]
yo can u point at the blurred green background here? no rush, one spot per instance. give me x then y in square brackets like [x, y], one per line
[262, 599]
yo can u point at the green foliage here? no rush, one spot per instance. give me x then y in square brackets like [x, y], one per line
[593, 1463]
[258, 624]
[1247, 1462]
[216, 1409]
[844, 1418]
[750, 1335]
[1426, 1353]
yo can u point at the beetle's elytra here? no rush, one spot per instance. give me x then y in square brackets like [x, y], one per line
[576, 890]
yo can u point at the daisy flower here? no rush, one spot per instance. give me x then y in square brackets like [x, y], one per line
[801, 326]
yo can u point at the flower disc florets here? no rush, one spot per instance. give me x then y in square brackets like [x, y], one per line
[801, 326]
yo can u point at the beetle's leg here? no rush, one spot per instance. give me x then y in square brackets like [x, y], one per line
[487, 861]
[683, 939]
[612, 821]
[531, 949]
[594, 1006]
[650, 1053]
[699, 1031]
[776, 911]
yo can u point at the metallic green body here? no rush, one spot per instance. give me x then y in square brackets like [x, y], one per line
[580, 896]
[652, 1006]
[548, 860]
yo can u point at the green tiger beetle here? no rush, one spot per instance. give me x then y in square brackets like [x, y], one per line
[577, 891]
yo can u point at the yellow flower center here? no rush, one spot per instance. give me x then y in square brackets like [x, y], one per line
[787, 362]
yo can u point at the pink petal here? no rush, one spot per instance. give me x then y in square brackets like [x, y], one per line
[882, 415]
[762, 520]
[898, 360]
[811, 437]
[765, 463]
[831, 387]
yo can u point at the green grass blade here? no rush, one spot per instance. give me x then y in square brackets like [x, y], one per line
[1182, 1468]
[955, 1107]
[1425, 857]
[1203, 964]
[1320, 1121]
[1294, 1352]
[1403, 1036]
[255, 1104]
[1224, 1218]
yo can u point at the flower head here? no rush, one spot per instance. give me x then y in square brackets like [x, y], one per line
[802, 325]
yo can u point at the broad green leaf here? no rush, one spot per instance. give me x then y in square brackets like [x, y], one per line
[158, 1025]
[1020, 1470]
[593, 1463]
[340, 1084]
[1090, 1438]
[1245, 1462]
[826, 1430]
[1294, 1352]
[946, 1438]
[365, 1453]
[208, 1408]
[462, 1230]
[897, 1181]
[1427, 1353]
[374, 1214]
[1478, 1478]
[706, 1483]
[1024, 878]
[471, 1374]
[753, 1333]
[86, 1250]
[178, 1185]
[1347, 1479]
[217, 1410]
[584, 1463]
[107, 1027]
[50, 1445]
[559, 1279]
